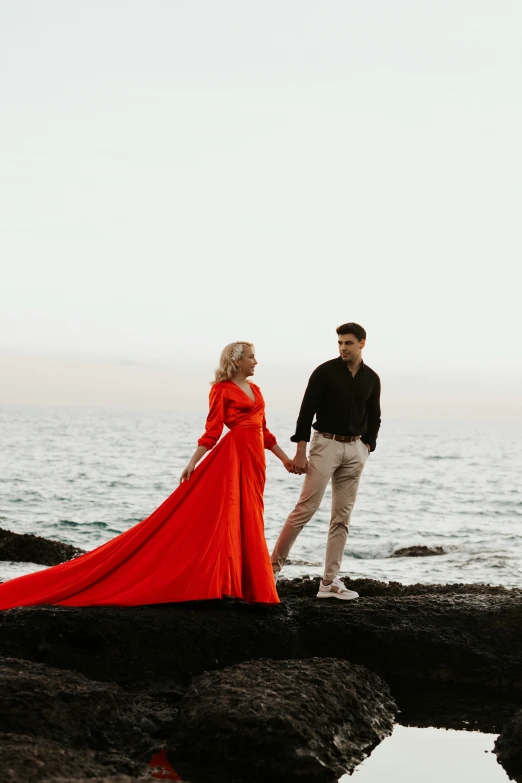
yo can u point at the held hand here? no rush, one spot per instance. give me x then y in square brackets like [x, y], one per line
[300, 463]
[289, 465]
[187, 473]
[368, 447]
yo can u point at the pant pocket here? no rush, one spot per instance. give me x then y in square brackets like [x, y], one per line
[365, 452]
[321, 455]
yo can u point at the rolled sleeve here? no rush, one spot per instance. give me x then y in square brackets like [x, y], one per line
[215, 419]
[311, 400]
[269, 439]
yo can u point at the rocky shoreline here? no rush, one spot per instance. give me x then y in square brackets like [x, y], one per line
[233, 691]
[28, 548]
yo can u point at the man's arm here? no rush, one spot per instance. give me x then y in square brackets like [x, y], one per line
[373, 411]
[300, 461]
[312, 397]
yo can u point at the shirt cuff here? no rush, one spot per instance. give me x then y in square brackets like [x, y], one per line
[300, 436]
[207, 442]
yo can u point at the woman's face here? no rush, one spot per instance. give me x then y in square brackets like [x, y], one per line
[248, 362]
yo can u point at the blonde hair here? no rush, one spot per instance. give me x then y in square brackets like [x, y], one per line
[230, 354]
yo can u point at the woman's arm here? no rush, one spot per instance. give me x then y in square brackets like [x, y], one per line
[213, 429]
[285, 459]
[187, 473]
[271, 444]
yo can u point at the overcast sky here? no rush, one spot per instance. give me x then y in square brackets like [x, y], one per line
[178, 174]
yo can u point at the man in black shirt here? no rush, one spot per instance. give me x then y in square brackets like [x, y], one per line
[344, 396]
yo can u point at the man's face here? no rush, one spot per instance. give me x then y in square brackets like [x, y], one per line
[350, 348]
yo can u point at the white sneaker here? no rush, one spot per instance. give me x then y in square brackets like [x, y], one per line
[336, 590]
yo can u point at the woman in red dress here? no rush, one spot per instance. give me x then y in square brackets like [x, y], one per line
[206, 540]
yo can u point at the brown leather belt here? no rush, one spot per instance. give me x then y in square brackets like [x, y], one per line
[341, 438]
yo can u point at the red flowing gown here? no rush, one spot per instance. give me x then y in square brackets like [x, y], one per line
[205, 541]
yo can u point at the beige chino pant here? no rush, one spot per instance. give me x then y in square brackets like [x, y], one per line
[328, 459]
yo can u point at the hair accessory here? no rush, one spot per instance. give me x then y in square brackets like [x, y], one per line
[237, 352]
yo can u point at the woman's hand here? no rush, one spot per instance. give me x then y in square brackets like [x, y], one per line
[189, 470]
[285, 459]
[291, 466]
[187, 473]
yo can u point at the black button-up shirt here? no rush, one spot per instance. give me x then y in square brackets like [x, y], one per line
[342, 403]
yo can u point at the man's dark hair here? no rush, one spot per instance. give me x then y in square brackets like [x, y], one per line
[351, 328]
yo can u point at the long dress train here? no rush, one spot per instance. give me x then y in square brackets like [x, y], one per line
[205, 541]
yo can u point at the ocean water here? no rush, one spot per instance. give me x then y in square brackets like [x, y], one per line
[432, 755]
[84, 475]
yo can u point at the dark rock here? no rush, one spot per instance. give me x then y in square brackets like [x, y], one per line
[26, 548]
[25, 758]
[463, 709]
[462, 643]
[307, 587]
[508, 747]
[419, 551]
[145, 778]
[65, 707]
[455, 636]
[105, 778]
[76, 727]
[303, 720]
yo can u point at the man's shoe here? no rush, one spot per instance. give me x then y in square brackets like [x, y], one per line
[336, 590]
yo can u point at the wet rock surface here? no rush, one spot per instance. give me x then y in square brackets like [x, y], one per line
[67, 707]
[27, 548]
[63, 712]
[469, 636]
[449, 653]
[508, 747]
[308, 720]
[145, 778]
[25, 758]
[97, 779]
[418, 551]
[307, 587]
[464, 709]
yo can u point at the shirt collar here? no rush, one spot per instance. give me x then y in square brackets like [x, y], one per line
[361, 368]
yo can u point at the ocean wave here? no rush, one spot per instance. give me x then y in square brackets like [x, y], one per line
[10, 570]
[437, 457]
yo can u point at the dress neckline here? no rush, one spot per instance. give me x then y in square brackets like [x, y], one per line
[244, 392]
